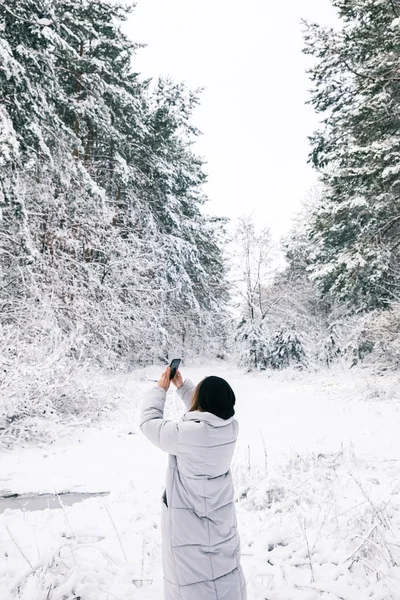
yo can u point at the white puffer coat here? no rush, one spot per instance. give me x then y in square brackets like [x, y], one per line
[200, 542]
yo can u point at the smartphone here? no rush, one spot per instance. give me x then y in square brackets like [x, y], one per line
[174, 366]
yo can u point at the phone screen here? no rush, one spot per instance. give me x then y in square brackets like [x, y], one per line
[174, 367]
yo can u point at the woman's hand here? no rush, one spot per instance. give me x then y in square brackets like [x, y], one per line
[178, 380]
[164, 381]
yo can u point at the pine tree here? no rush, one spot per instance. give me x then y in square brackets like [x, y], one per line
[27, 75]
[30, 133]
[190, 242]
[356, 227]
[141, 156]
[285, 349]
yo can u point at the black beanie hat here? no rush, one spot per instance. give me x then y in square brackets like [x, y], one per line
[216, 396]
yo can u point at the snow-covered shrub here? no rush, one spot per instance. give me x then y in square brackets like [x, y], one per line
[285, 349]
[261, 349]
[376, 339]
[329, 521]
[41, 379]
[330, 347]
[253, 346]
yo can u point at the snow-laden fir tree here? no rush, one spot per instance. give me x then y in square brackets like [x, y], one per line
[356, 89]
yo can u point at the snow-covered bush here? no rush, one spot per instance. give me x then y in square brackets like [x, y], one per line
[329, 522]
[261, 349]
[285, 349]
[40, 378]
[253, 345]
[376, 339]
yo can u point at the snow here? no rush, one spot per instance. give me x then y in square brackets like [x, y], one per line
[391, 171]
[317, 475]
[45, 22]
[9, 146]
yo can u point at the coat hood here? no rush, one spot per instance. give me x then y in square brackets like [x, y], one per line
[210, 418]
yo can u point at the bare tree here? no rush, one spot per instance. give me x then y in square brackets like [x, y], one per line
[251, 266]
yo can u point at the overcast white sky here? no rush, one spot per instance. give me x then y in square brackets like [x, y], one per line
[247, 54]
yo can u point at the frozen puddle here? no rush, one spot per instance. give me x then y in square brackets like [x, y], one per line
[29, 502]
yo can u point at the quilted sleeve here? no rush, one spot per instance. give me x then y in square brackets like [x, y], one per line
[161, 432]
[186, 393]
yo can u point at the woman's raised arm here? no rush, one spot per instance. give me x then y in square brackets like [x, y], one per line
[185, 391]
[161, 432]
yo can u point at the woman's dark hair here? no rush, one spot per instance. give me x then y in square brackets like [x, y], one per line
[216, 396]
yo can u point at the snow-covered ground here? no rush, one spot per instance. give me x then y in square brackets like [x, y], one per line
[317, 474]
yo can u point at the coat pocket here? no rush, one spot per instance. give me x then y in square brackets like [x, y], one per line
[188, 529]
[165, 525]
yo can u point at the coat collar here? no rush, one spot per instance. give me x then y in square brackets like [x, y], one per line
[198, 415]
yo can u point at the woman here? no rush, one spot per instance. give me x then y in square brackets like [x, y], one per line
[200, 542]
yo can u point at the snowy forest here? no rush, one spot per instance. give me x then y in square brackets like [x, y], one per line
[109, 259]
